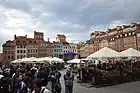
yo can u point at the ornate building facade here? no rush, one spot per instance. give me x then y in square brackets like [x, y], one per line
[119, 39]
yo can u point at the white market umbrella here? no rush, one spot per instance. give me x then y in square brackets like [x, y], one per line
[24, 59]
[85, 59]
[75, 61]
[45, 59]
[17, 61]
[130, 53]
[105, 53]
[32, 60]
[57, 60]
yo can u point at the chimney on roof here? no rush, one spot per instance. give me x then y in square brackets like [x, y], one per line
[14, 36]
[25, 35]
[118, 27]
[48, 39]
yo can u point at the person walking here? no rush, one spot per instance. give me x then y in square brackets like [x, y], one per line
[53, 81]
[57, 82]
[68, 78]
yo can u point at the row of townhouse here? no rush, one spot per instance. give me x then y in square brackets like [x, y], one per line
[22, 47]
[119, 39]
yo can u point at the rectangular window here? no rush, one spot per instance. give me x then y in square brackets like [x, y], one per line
[5, 52]
[24, 51]
[24, 56]
[8, 57]
[12, 52]
[21, 46]
[17, 56]
[20, 51]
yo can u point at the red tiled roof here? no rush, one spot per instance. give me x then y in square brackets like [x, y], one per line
[111, 30]
[21, 40]
[64, 42]
[32, 41]
[103, 33]
[126, 26]
[24, 40]
[9, 43]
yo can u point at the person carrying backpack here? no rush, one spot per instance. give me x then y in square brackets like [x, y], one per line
[53, 81]
[68, 78]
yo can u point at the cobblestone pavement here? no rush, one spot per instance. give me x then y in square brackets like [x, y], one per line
[132, 87]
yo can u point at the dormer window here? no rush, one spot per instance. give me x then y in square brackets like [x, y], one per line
[121, 35]
[117, 36]
[125, 34]
[133, 33]
[129, 34]
[18, 41]
[24, 42]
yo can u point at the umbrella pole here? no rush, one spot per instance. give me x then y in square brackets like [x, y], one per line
[81, 78]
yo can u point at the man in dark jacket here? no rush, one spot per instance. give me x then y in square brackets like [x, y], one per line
[43, 75]
[68, 78]
[57, 82]
[6, 85]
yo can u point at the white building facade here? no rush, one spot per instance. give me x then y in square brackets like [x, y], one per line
[21, 51]
[73, 47]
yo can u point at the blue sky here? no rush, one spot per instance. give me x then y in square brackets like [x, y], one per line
[75, 18]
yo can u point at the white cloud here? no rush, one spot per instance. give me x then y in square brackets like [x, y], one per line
[17, 22]
[115, 23]
[75, 18]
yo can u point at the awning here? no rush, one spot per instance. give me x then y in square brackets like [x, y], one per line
[70, 53]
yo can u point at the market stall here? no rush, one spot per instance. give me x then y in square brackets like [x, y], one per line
[111, 69]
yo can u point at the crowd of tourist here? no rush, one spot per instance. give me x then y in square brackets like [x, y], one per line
[27, 78]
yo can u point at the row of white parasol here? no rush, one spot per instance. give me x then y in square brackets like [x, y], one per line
[38, 60]
[108, 53]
